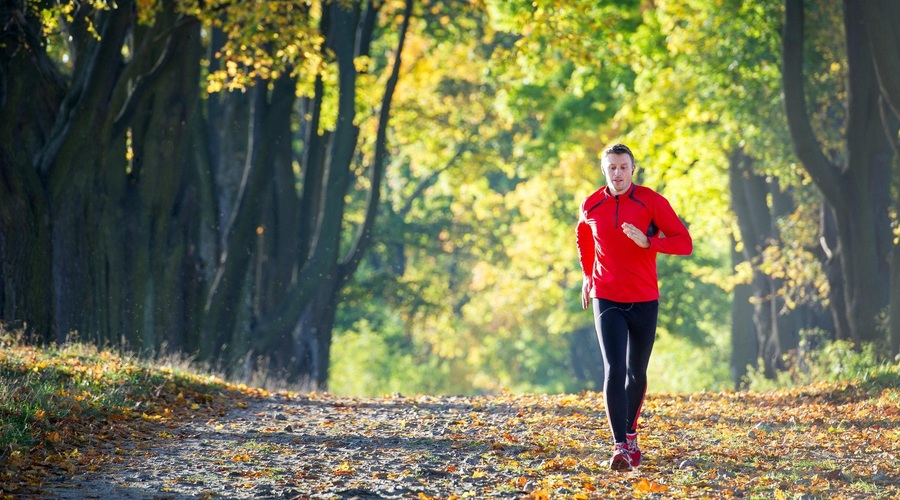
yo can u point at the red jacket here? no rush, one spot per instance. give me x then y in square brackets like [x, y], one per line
[619, 269]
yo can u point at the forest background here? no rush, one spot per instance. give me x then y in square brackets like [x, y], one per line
[380, 196]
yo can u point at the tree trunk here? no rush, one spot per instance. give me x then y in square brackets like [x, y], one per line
[858, 191]
[749, 194]
[230, 291]
[160, 139]
[894, 332]
[744, 344]
[75, 161]
[312, 339]
[310, 306]
[585, 356]
[30, 94]
[831, 261]
[881, 17]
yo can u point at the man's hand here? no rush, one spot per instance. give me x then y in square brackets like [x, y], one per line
[636, 235]
[585, 292]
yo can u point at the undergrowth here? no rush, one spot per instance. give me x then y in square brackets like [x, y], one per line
[833, 361]
[59, 405]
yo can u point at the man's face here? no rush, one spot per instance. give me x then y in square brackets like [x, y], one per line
[618, 170]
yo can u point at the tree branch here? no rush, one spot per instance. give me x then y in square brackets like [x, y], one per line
[91, 88]
[432, 178]
[137, 88]
[364, 235]
[806, 146]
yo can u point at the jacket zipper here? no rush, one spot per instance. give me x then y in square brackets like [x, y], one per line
[616, 221]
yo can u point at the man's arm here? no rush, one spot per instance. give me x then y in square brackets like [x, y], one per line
[584, 241]
[674, 237]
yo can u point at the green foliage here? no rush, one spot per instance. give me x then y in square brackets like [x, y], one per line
[679, 365]
[497, 136]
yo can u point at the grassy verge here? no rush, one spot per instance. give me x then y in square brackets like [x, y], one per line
[67, 409]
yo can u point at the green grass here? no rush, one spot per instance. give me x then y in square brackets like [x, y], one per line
[43, 386]
[57, 404]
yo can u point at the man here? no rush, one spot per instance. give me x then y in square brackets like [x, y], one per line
[621, 228]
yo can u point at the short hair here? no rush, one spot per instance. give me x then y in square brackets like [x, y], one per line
[618, 149]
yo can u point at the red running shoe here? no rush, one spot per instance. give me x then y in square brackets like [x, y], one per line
[634, 453]
[621, 460]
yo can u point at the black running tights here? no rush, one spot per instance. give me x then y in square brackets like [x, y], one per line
[626, 332]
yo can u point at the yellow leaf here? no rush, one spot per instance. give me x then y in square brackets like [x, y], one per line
[195, 406]
[344, 469]
[539, 495]
[479, 473]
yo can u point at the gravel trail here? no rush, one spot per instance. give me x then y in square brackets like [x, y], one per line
[309, 447]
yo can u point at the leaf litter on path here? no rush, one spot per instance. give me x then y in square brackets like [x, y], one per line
[823, 441]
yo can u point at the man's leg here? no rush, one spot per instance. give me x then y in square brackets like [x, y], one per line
[612, 331]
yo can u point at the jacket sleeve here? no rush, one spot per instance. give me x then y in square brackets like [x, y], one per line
[673, 237]
[584, 239]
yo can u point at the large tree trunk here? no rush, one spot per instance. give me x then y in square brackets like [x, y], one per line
[226, 320]
[78, 164]
[99, 176]
[312, 340]
[858, 191]
[31, 91]
[881, 18]
[158, 245]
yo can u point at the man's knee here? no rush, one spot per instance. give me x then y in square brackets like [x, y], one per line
[616, 374]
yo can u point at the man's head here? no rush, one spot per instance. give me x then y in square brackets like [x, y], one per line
[618, 167]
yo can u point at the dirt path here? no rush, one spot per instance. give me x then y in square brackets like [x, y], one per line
[818, 443]
[311, 448]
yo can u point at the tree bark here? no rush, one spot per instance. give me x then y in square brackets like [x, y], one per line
[157, 184]
[310, 305]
